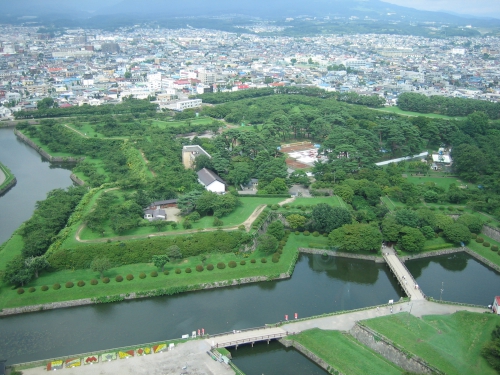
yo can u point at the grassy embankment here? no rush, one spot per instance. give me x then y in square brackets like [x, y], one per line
[451, 343]
[343, 353]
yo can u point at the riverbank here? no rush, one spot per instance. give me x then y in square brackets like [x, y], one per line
[7, 179]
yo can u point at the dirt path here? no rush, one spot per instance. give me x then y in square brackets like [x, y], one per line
[147, 162]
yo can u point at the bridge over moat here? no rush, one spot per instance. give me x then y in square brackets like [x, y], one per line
[249, 336]
[404, 277]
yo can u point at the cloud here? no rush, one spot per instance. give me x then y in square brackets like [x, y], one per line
[489, 8]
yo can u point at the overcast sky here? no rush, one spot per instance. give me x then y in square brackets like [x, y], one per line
[489, 8]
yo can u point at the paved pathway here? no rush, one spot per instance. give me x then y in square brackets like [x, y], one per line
[192, 355]
[344, 322]
[245, 337]
[405, 279]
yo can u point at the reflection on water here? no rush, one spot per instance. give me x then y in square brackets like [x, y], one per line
[316, 287]
[462, 278]
[273, 359]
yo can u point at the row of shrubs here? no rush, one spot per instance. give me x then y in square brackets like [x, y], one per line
[142, 275]
[314, 234]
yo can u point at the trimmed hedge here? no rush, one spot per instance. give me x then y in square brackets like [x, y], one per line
[154, 274]
[80, 283]
[199, 268]
[221, 265]
[20, 291]
[142, 275]
[130, 277]
[210, 267]
[232, 264]
[242, 263]
[479, 240]
[105, 280]
[178, 271]
[263, 260]
[188, 270]
[44, 288]
[252, 261]
[56, 286]
[94, 282]
[494, 247]
[69, 284]
[166, 273]
[306, 233]
[31, 289]
[486, 244]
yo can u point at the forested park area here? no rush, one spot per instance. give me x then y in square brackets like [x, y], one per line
[133, 159]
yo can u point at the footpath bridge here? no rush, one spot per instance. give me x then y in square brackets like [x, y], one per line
[402, 274]
[248, 336]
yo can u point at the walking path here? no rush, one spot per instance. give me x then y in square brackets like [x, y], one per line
[344, 322]
[187, 358]
[405, 279]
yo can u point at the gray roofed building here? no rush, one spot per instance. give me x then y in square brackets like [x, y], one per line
[211, 181]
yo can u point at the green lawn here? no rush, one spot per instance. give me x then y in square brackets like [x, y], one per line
[443, 182]
[344, 353]
[332, 201]
[451, 343]
[10, 249]
[486, 252]
[398, 111]
[10, 298]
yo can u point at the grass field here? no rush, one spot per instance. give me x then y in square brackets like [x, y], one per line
[451, 343]
[332, 201]
[344, 353]
[398, 111]
[443, 182]
[10, 298]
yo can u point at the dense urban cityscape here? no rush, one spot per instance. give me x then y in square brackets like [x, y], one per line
[97, 67]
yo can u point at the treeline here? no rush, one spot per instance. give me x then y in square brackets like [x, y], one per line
[351, 97]
[39, 231]
[447, 106]
[141, 251]
[127, 106]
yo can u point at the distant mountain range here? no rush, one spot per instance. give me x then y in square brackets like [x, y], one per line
[266, 9]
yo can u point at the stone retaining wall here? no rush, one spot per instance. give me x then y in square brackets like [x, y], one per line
[46, 155]
[76, 180]
[429, 254]
[313, 357]
[341, 254]
[388, 350]
[88, 301]
[491, 232]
